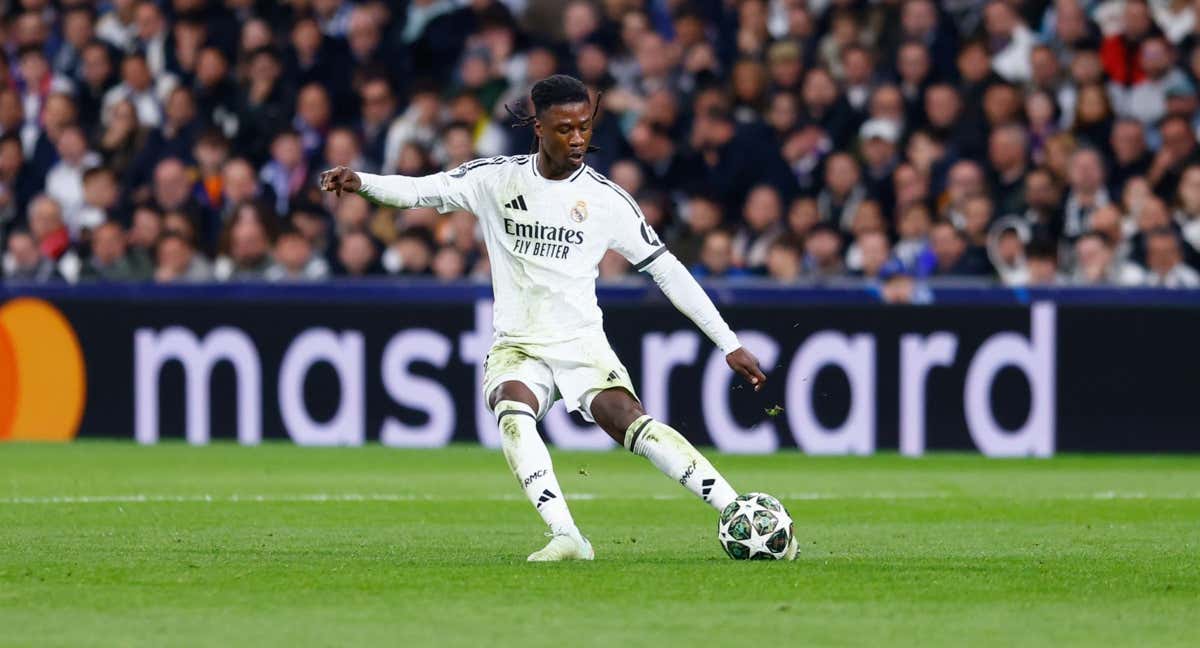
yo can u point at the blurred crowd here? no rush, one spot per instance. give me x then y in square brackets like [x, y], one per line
[1025, 142]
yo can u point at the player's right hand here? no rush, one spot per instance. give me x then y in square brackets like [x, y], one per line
[339, 179]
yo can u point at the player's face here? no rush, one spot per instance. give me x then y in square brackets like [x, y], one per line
[565, 130]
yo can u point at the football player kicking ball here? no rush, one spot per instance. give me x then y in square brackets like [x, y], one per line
[547, 219]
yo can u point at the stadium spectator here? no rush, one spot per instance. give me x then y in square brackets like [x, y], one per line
[24, 262]
[64, 182]
[450, 264]
[78, 26]
[110, 260]
[1164, 260]
[909, 185]
[716, 257]
[178, 261]
[411, 254]
[216, 91]
[823, 252]
[964, 180]
[122, 138]
[151, 36]
[701, 216]
[843, 191]
[1187, 211]
[952, 256]
[920, 22]
[172, 185]
[96, 76]
[173, 139]
[762, 220]
[357, 256]
[246, 243]
[58, 113]
[1086, 192]
[875, 252]
[263, 104]
[141, 88]
[784, 262]
[1011, 41]
[878, 140]
[1177, 151]
[1042, 263]
[180, 223]
[1146, 100]
[1121, 52]
[1006, 251]
[287, 172]
[1008, 154]
[146, 227]
[1130, 155]
[1043, 203]
[47, 226]
[867, 219]
[1095, 264]
[293, 259]
[977, 219]
[101, 198]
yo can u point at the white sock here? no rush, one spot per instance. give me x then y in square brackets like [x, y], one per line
[679, 460]
[530, 462]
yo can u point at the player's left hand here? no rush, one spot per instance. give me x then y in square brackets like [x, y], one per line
[746, 365]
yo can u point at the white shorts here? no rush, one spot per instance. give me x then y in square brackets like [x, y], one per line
[575, 371]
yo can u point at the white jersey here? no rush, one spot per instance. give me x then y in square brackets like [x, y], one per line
[545, 239]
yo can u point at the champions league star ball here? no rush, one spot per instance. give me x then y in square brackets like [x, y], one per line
[755, 526]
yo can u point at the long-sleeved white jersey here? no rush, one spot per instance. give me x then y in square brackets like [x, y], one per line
[545, 239]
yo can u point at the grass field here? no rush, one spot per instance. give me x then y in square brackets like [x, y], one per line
[110, 544]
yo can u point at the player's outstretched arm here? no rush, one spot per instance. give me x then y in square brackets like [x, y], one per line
[686, 294]
[440, 190]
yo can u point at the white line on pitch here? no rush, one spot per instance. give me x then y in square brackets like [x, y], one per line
[139, 498]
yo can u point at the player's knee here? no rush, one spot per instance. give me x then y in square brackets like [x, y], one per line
[513, 391]
[614, 410]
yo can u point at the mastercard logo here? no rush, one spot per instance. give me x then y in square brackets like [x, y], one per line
[42, 380]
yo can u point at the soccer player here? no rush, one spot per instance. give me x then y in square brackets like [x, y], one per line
[547, 219]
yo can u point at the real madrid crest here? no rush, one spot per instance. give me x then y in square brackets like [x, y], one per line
[579, 212]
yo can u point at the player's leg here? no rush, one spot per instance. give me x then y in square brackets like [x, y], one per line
[619, 414]
[517, 409]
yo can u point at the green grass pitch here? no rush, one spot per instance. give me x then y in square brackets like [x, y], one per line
[110, 544]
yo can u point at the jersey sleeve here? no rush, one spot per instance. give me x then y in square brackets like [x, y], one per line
[690, 299]
[446, 191]
[632, 236]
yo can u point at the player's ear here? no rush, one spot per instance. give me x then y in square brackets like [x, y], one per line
[537, 127]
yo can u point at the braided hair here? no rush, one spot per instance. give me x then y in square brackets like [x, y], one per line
[552, 91]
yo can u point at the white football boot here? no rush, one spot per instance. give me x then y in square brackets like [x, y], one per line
[564, 546]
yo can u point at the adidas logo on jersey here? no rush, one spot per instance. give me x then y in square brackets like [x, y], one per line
[517, 203]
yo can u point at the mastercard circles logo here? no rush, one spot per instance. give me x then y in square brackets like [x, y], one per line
[42, 380]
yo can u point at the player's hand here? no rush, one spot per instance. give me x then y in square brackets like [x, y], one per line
[746, 365]
[339, 179]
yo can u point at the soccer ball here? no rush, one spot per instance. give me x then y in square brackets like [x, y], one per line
[755, 526]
